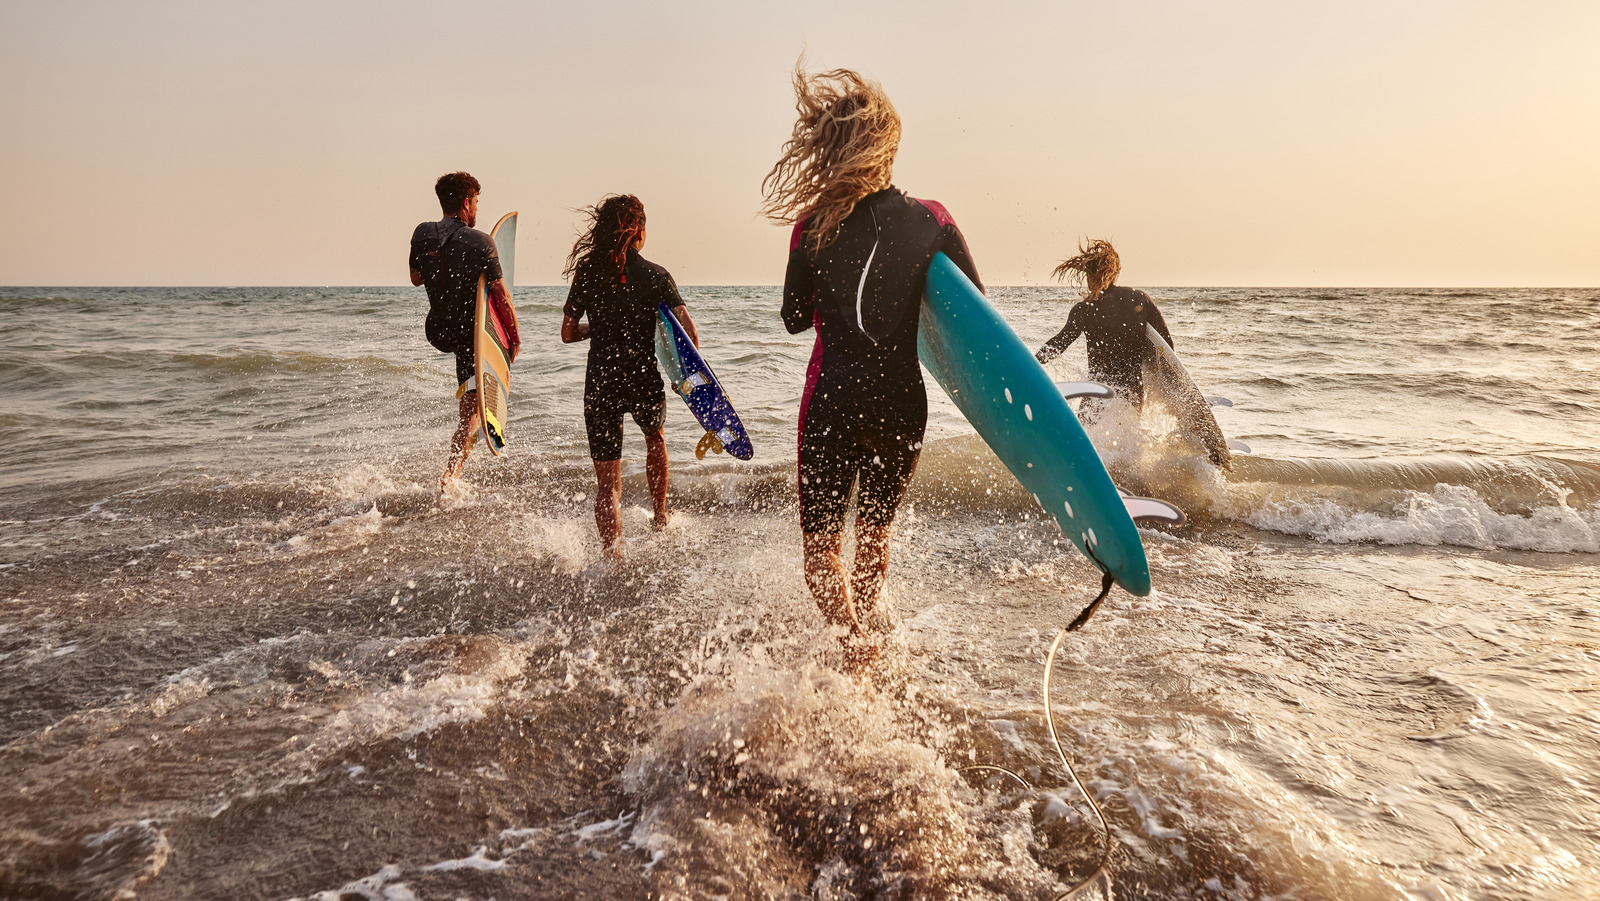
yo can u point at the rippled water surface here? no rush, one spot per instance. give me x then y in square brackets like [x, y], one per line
[246, 653]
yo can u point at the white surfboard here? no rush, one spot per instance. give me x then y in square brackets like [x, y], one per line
[1164, 373]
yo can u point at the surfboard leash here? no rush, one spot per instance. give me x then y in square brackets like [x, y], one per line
[1106, 581]
[1104, 867]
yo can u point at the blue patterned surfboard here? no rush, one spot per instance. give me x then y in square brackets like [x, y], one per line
[1007, 396]
[693, 380]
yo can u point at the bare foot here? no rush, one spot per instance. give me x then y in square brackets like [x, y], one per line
[858, 655]
[873, 615]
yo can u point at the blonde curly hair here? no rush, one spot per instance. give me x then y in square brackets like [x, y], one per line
[1096, 267]
[842, 149]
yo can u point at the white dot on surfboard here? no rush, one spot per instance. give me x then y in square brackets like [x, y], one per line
[1068, 505]
[1092, 539]
[1008, 397]
[1028, 409]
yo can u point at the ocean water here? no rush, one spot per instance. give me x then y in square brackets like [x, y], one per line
[245, 652]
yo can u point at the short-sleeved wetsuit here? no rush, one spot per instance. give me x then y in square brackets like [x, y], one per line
[623, 376]
[451, 255]
[865, 408]
[1114, 325]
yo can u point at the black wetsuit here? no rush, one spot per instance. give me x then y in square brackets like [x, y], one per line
[451, 255]
[1117, 345]
[865, 407]
[623, 376]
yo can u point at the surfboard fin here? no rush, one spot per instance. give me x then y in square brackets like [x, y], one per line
[1238, 446]
[708, 441]
[1148, 509]
[1074, 390]
[1218, 401]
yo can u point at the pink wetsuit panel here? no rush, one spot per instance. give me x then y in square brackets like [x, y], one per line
[940, 214]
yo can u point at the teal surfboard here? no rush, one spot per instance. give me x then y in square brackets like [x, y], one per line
[1007, 396]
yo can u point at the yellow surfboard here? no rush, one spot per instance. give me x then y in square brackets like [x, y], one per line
[491, 342]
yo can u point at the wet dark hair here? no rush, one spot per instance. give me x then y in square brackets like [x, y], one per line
[454, 189]
[614, 224]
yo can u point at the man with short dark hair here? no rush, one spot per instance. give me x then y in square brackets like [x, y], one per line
[448, 256]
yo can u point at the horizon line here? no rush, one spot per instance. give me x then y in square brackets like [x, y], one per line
[225, 287]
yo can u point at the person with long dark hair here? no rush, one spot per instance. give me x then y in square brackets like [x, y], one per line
[618, 291]
[858, 258]
[1111, 318]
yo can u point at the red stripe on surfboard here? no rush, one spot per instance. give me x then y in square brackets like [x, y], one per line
[499, 328]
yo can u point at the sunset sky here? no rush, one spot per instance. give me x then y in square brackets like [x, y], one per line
[1226, 143]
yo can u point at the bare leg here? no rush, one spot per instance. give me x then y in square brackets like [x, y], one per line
[825, 577]
[655, 470]
[608, 505]
[871, 571]
[462, 441]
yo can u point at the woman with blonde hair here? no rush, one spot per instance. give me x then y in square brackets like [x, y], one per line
[858, 257]
[1112, 319]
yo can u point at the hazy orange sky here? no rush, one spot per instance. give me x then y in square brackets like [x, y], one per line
[1225, 143]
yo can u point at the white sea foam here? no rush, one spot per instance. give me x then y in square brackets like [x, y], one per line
[565, 542]
[1450, 515]
[363, 481]
[341, 532]
[380, 886]
[478, 860]
[421, 706]
[739, 767]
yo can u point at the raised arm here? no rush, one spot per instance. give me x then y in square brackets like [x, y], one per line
[1063, 339]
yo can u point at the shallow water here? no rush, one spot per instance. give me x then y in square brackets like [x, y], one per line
[245, 653]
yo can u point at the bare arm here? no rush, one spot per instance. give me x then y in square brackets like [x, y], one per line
[682, 312]
[573, 330]
[416, 277]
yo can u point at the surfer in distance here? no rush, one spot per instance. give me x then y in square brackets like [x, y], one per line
[1112, 319]
[618, 291]
[447, 257]
[858, 258]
